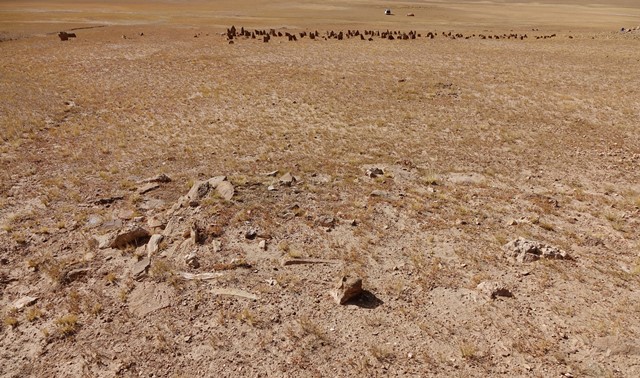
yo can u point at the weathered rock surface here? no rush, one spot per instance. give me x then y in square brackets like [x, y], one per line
[149, 297]
[523, 250]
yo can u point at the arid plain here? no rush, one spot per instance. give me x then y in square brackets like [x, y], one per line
[181, 201]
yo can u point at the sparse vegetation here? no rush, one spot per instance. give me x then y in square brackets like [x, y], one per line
[67, 325]
[481, 140]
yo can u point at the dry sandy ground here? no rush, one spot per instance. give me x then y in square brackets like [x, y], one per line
[479, 142]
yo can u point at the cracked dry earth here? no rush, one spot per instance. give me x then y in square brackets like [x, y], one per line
[485, 192]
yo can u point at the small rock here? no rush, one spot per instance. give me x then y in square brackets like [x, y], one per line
[24, 302]
[327, 221]
[225, 190]
[192, 260]
[374, 172]
[271, 188]
[494, 289]
[154, 244]
[162, 178]
[523, 250]
[137, 236]
[197, 192]
[272, 174]
[287, 179]
[107, 200]
[155, 223]
[103, 241]
[94, 221]
[262, 245]
[512, 222]
[112, 224]
[348, 287]
[251, 234]
[126, 214]
[141, 268]
[74, 274]
[384, 195]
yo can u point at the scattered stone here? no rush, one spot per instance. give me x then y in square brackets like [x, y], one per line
[234, 292]
[112, 224]
[94, 221]
[107, 200]
[201, 188]
[272, 174]
[512, 222]
[195, 233]
[191, 259]
[155, 223]
[225, 190]
[141, 268]
[384, 195]
[161, 178]
[126, 214]
[251, 234]
[262, 245]
[197, 192]
[154, 244]
[148, 187]
[287, 262]
[327, 221]
[200, 276]
[348, 287]
[374, 172]
[74, 274]
[215, 181]
[24, 302]
[287, 179]
[524, 251]
[271, 188]
[102, 241]
[137, 236]
[493, 289]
